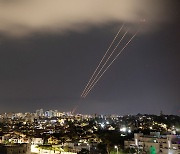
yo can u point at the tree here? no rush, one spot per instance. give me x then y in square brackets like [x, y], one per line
[110, 138]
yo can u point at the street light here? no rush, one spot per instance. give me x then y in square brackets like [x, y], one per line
[116, 147]
[89, 148]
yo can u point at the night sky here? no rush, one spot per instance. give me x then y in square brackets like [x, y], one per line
[45, 68]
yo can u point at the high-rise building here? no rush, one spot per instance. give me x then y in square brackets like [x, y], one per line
[40, 113]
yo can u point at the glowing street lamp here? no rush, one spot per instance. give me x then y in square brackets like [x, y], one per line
[116, 147]
[129, 131]
[89, 148]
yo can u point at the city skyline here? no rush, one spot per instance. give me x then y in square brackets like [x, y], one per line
[44, 67]
[45, 112]
[56, 132]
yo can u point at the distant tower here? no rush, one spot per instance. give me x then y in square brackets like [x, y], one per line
[40, 113]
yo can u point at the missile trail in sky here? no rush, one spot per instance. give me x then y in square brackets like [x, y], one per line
[101, 60]
[84, 96]
[87, 89]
